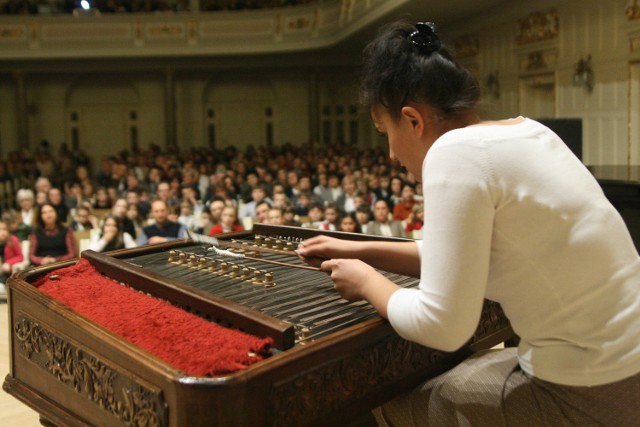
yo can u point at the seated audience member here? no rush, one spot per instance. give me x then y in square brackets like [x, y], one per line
[289, 217]
[381, 224]
[26, 202]
[102, 199]
[204, 223]
[262, 212]
[187, 216]
[345, 201]
[162, 230]
[56, 200]
[215, 209]
[315, 215]
[303, 203]
[403, 208]
[349, 224]
[133, 215]
[119, 210]
[112, 237]
[83, 219]
[228, 222]
[11, 251]
[363, 215]
[275, 216]
[20, 230]
[41, 198]
[415, 220]
[258, 195]
[134, 198]
[51, 241]
[331, 218]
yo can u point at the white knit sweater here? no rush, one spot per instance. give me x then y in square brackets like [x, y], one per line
[513, 216]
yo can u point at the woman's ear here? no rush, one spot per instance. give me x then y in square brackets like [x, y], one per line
[413, 116]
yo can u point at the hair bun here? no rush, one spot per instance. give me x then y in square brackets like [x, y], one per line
[424, 38]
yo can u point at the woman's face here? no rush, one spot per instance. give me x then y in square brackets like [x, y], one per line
[49, 215]
[404, 144]
[110, 225]
[348, 224]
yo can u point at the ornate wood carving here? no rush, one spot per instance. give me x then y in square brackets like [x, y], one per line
[348, 379]
[134, 404]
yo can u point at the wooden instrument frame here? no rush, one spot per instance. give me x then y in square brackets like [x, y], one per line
[74, 372]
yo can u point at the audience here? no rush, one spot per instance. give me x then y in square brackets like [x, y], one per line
[322, 183]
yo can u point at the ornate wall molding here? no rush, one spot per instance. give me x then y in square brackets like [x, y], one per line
[537, 27]
[131, 402]
[208, 33]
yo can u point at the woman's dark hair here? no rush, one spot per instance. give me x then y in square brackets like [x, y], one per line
[352, 215]
[40, 222]
[397, 69]
[118, 241]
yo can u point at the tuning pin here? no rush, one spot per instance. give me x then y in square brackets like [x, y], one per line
[268, 280]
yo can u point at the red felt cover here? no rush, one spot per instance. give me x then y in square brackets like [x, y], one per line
[182, 339]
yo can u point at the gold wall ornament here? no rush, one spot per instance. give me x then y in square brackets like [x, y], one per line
[583, 75]
[466, 46]
[538, 27]
[632, 10]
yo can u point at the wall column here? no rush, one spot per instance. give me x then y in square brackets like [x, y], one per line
[170, 108]
[314, 108]
[22, 116]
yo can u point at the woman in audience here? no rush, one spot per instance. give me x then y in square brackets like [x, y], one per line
[349, 223]
[228, 222]
[51, 241]
[112, 237]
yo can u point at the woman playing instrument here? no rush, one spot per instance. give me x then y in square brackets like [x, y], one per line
[511, 215]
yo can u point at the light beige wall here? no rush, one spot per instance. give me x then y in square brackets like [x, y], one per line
[600, 28]
[586, 27]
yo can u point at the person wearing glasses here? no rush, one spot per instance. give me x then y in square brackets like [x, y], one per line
[510, 215]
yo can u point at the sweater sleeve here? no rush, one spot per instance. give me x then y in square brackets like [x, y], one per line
[13, 251]
[444, 310]
[72, 246]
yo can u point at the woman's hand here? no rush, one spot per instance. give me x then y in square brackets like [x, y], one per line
[48, 260]
[350, 277]
[321, 248]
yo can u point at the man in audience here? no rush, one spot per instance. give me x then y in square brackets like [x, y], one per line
[162, 230]
[381, 224]
[262, 212]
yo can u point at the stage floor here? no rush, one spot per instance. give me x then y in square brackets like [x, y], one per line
[12, 411]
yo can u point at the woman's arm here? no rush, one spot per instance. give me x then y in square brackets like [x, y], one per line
[72, 247]
[395, 257]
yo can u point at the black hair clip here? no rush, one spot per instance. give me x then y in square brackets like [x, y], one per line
[424, 38]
